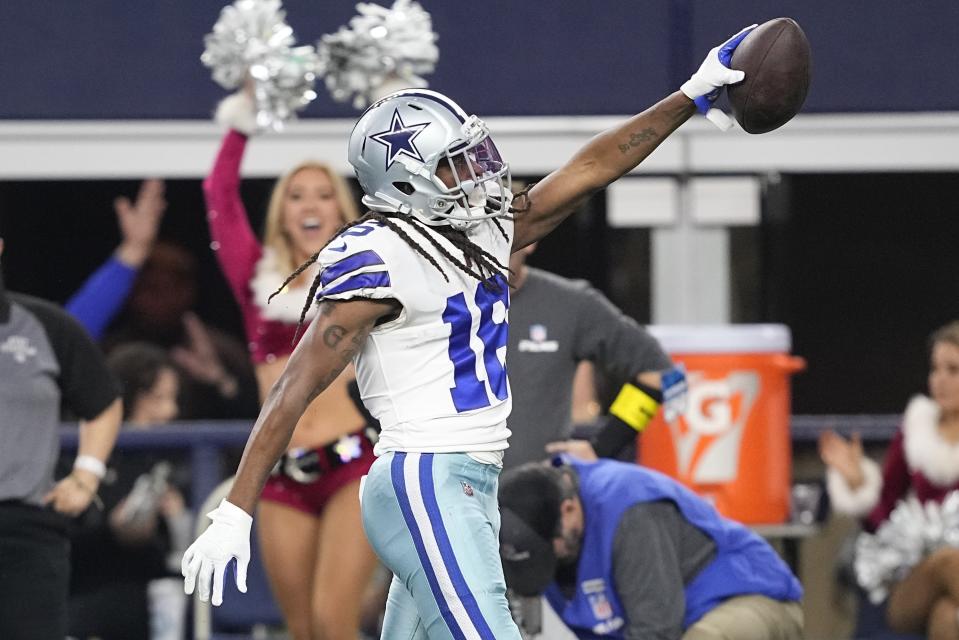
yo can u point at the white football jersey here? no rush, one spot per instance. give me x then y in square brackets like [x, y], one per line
[435, 377]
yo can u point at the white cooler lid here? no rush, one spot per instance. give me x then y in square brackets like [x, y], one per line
[723, 338]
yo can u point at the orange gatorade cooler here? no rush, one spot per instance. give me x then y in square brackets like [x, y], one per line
[732, 443]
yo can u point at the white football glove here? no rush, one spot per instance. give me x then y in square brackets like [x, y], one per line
[205, 562]
[703, 86]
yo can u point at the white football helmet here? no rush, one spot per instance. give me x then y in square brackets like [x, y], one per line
[399, 143]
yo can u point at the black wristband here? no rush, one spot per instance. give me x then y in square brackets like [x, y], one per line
[615, 436]
[652, 392]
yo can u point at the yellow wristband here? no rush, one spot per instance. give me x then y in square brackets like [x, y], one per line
[634, 407]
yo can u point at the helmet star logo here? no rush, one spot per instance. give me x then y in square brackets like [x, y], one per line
[399, 139]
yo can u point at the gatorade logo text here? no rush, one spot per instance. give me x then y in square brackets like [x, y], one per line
[708, 435]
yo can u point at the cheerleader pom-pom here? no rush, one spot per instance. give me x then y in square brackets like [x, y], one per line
[251, 39]
[912, 532]
[283, 85]
[247, 32]
[382, 49]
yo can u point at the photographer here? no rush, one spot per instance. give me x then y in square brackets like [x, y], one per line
[47, 363]
[623, 551]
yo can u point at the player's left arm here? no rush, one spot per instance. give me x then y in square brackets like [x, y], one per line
[620, 149]
[603, 160]
[328, 346]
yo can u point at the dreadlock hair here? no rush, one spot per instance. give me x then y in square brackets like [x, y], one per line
[523, 195]
[486, 264]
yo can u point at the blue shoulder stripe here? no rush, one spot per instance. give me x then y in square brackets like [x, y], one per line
[370, 280]
[349, 264]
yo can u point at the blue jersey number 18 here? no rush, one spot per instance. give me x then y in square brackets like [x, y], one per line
[469, 392]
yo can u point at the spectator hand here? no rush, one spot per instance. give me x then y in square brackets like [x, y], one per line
[205, 562]
[72, 495]
[200, 358]
[703, 87]
[139, 222]
[843, 456]
[579, 449]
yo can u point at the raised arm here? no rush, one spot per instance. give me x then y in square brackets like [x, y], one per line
[237, 247]
[617, 151]
[607, 157]
[103, 294]
[330, 343]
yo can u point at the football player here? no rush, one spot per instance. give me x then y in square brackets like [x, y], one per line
[415, 294]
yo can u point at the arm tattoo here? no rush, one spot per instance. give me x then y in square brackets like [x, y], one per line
[346, 355]
[356, 343]
[638, 138]
[333, 335]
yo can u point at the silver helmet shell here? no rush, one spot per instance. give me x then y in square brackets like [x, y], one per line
[398, 144]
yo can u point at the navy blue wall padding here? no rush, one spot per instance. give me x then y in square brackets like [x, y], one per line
[884, 55]
[106, 59]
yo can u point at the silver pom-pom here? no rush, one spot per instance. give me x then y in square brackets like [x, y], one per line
[912, 531]
[283, 84]
[380, 50]
[252, 37]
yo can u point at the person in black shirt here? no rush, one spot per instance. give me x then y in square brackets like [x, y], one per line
[555, 324]
[47, 363]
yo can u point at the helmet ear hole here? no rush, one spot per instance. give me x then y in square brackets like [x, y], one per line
[404, 187]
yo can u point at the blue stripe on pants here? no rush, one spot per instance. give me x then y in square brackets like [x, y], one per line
[399, 527]
[399, 485]
[446, 550]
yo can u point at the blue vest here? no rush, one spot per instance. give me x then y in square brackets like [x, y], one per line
[744, 562]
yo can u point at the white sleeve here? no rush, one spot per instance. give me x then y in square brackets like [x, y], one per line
[360, 263]
[855, 502]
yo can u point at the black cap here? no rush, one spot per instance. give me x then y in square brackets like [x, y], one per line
[529, 562]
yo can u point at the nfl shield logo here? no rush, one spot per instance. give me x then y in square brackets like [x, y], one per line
[467, 488]
[600, 605]
[537, 333]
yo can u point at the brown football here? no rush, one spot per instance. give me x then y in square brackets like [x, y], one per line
[776, 59]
